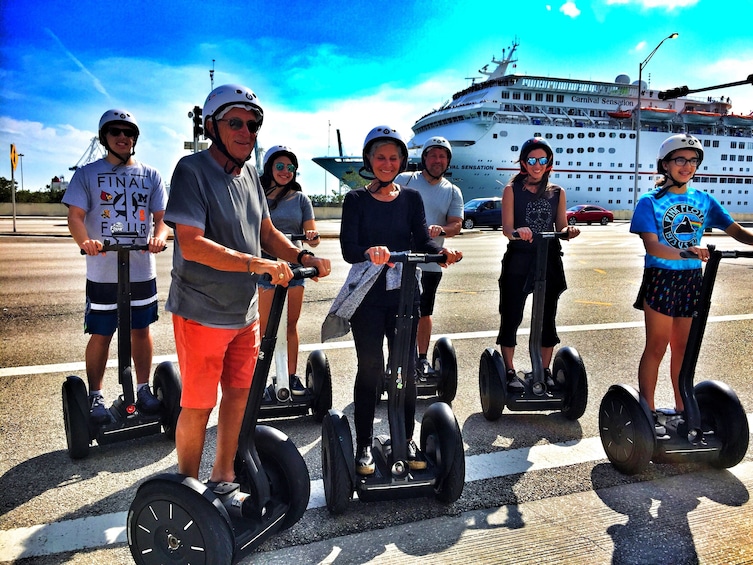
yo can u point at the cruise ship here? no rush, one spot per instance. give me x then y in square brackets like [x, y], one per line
[592, 129]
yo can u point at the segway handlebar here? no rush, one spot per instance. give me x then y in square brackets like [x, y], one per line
[411, 257]
[731, 254]
[107, 245]
[298, 273]
[299, 237]
[544, 235]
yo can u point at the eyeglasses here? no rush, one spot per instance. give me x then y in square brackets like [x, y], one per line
[681, 161]
[236, 124]
[282, 166]
[539, 160]
[115, 132]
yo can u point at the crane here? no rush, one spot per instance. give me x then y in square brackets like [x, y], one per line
[92, 153]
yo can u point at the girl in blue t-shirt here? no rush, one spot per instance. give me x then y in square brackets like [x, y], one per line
[671, 219]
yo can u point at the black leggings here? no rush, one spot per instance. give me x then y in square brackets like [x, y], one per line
[370, 324]
[513, 293]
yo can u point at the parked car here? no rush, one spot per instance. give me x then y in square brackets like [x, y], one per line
[483, 212]
[588, 213]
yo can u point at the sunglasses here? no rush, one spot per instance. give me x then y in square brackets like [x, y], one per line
[115, 132]
[282, 166]
[236, 124]
[681, 161]
[540, 160]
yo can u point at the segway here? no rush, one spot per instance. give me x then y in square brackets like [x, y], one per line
[278, 400]
[126, 421]
[441, 440]
[714, 427]
[570, 391]
[177, 519]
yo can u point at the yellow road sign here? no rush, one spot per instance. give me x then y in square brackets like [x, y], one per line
[13, 156]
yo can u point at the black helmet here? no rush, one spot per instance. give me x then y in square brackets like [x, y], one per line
[530, 145]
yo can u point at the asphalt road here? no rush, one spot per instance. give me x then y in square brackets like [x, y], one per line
[538, 487]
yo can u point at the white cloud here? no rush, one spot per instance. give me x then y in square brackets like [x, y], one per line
[570, 9]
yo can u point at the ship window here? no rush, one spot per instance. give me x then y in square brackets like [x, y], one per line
[622, 136]
[570, 136]
[569, 175]
[590, 149]
[539, 97]
[733, 144]
[505, 95]
[724, 157]
[715, 143]
[749, 158]
[550, 98]
[707, 143]
[612, 134]
[602, 134]
[558, 150]
[580, 150]
[591, 134]
[569, 149]
[526, 96]
[560, 98]
[612, 150]
[516, 95]
[548, 136]
[732, 157]
[581, 135]
[560, 136]
[600, 150]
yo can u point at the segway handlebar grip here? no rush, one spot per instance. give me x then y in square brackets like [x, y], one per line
[412, 257]
[299, 237]
[685, 254]
[305, 272]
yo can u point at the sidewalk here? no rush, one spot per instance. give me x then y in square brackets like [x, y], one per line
[57, 226]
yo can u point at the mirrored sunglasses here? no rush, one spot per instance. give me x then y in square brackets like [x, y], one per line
[283, 166]
[540, 160]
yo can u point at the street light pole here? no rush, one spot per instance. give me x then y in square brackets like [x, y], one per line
[638, 116]
[21, 163]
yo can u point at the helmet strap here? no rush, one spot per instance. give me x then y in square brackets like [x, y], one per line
[217, 142]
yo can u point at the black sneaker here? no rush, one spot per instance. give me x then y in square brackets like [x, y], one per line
[365, 461]
[548, 378]
[513, 382]
[98, 412]
[146, 402]
[415, 461]
[424, 367]
[296, 386]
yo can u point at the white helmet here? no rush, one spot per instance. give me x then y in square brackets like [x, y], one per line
[385, 133]
[675, 142]
[231, 95]
[276, 151]
[113, 116]
[437, 142]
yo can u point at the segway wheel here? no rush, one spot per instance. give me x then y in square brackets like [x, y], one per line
[76, 417]
[167, 389]
[568, 368]
[627, 432]
[491, 384]
[319, 381]
[722, 412]
[285, 469]
[338, 467]
[175, 519]
[442, 444]
[445, 363]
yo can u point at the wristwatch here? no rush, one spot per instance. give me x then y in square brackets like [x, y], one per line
[301, 254]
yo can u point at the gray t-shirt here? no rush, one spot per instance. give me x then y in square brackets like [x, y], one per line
[118, 195]
[229, 209]
[441, 201]
[290, 213]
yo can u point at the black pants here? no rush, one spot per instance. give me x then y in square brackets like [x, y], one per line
[370, 324]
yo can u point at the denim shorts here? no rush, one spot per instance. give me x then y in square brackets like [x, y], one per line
[266, 285]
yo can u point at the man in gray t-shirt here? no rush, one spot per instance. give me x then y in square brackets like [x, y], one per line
[221, 222]
[443, 206]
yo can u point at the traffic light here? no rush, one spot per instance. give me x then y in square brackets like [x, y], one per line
[198, 130]
[674, 93]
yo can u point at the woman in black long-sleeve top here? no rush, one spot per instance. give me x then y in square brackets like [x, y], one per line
[376, 220]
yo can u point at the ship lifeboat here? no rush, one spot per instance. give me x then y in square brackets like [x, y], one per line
[699, 117]
[652, 113]
[620, 114]
[737, 120]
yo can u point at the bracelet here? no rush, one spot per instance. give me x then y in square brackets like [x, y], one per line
[301, 254]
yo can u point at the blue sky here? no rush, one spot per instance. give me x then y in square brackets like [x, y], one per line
[322, 66]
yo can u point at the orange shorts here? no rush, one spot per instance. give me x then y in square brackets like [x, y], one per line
[210, 356]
